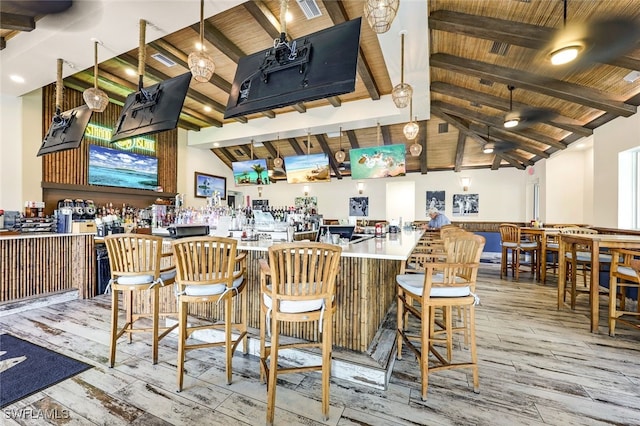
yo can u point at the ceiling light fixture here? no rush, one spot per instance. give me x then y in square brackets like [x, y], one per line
[277, 162]
[512, 121]
[488, 147]
[95, 98]
[411, 129]
[340, 154]
[565, 54]
[380, 14]
[402, 93]
[200, 64]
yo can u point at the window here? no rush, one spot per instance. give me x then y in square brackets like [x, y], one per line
[629, 189]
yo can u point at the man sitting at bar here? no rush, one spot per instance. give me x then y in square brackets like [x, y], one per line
[438, 219]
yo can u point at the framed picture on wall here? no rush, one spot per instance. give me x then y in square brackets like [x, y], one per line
[206, 185]
[359, 206]
[435, 199]
[466, 204]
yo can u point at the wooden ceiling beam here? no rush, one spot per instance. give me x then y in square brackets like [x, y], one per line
[503, 104]
[386, 135]
[511, 161]
[219, 41]
[225, 153]
[270, 149]
[504, 136]
[14, 22]
[338, 15]
[353, 139]
[510, 32]
[522, 79]
[300, 107]
[497, 160]
[462, 137]
[263, 16]
[296, 146]
[422, 140]
[322, 140]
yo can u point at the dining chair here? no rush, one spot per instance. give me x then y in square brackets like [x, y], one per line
[210, 272]
[136, 262]
[451, 283]
[297, 286]
[513, 247]
[623, 277]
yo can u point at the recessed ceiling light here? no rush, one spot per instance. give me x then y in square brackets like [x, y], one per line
[130, 71]
[288, 16]
[16, 78]
[207, 108]
[216, 144]
[199, 46]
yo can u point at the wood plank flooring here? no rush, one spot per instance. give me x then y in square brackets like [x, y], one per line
[537, 366]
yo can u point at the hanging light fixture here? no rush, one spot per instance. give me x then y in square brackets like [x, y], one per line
[380, 14]
[277, 162]
[402, 93]
[511, 121]
[411, 129]
[488, 147]
[95, 98]
[200, 64]
[340, 154]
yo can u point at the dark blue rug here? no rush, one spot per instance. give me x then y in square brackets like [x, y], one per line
[26, 368]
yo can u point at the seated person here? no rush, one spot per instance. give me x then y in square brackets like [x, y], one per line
[438, 219]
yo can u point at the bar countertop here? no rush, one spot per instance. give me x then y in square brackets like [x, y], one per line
[396, 246]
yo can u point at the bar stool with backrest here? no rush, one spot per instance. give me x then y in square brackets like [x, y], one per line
[301, 290]
[624, 275]
[210, 271]
[451, 283]
[579, 261]
[511, 241]
[136, 268]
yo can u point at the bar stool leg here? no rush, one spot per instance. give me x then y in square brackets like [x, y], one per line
[273, 373]
[114, 326]
[182, 337]
[156, 320]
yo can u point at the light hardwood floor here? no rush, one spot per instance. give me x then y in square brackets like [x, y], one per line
[538, 365]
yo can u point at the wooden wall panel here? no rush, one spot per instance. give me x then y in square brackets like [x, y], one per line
[71, 166]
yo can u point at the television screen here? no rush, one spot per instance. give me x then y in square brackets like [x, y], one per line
[307, 168]
[316, 66]
[250, 172]
[66, 130]
[113, 167]
[153, 109]
[378, 162]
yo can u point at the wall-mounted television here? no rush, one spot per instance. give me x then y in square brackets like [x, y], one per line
[307, 168]
[250, 172]
[114, 167]
[378, 161]
[315, 66]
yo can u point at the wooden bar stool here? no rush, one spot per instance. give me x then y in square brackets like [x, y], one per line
[135, 261]
[209, 270]
[624, 275]
[301, 290]
[448, 284]
[511, 241]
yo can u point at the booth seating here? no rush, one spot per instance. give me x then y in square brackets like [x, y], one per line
[302, 289]
[624, 277]
[135, 261]
[444, 284]
[209, 270]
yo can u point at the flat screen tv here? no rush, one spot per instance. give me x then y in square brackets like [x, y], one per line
[307, 168]
[114, 167]
[153, 109]
[378, 161]
[66, 130]
[250, 172]
[315, 66]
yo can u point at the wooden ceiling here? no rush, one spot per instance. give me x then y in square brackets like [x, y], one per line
[477, 48]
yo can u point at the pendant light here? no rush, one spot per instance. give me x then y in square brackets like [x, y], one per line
[511, 121]
[380, 14]
[340, 154]
[201, 64]
[488, 147]
[277, 162]
[402, 93]
[95, 98]
[411, 129]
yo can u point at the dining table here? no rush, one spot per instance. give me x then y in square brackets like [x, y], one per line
[595, 242]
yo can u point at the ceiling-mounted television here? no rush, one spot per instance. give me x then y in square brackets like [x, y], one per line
[378, 161]
[250, 172]
[316, 66]
[66, 130]
[153, 109]
[307, 168]
[115, 167]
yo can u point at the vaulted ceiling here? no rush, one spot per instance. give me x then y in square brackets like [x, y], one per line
[473, 51]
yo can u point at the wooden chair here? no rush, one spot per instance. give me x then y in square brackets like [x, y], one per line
[579, 262]
[511, 241]
[624, 275]
[209, 270]
[302, 289]
[136, 267]
[448, 284]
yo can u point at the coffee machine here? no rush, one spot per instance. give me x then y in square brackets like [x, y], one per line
[89, 210]
[78, 209]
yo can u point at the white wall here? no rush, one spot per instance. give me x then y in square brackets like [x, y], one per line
[565, 188]
[610, 139]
